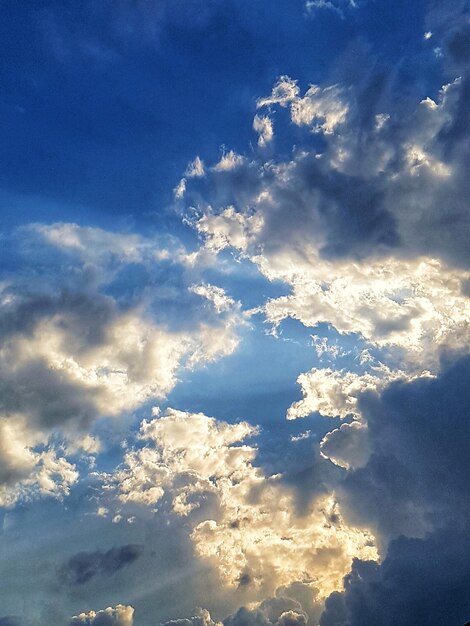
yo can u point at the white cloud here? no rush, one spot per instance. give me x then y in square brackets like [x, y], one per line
[202, 618]
[70, 355]
[118, 616]
[195, 169]
[180, 189]
[263, 125]
[228, 228]
[322, 109]
[284, 92]
[243, 522]
[335, 392]
[415, 305]
[215, 295]
[45, 475]
[93, 243]
[347, 446]
[133, 362]
[229, 161]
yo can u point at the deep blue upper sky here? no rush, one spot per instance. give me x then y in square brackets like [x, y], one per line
[104, 103]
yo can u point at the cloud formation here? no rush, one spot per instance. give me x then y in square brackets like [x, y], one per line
[72, 353]
[83, 566]
[118, 616]
[413, 491]
[243, 522]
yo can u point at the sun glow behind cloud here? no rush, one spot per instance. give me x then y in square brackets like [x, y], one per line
[333, 223]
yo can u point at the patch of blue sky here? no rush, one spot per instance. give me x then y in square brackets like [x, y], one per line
[256, 383]
[114, 131]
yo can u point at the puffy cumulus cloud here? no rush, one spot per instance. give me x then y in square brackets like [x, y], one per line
[368, 226]
[347, 446]
[228, 228]
[243, 522]
[336, 392]
[202, 618]
[257, 617]
[293, 605]
[187, 445]
[93, 243]
[414, 308]
[48, 475]
[133, 361]
[417, 305]
[26, 472]
[71, 354]
[118, 616]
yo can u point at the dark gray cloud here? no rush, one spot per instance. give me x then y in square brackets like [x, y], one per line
[84, 566]
[28, 384]
[422, 581]
[415, 490]
[85, 315]
[417, 475]
[46, 396]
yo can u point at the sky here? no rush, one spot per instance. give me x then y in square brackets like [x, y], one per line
[234, 313]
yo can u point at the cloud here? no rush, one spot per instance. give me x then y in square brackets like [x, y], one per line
[71, 354]
[293, 605]
[321, 109]
[84, 566]
[420, 581]
[202, 618]
[25, 474]
[347, 446]
[263, 125]
[333, 5]
[229, 161]
[376, 182]
[195, 169]
[403, 489]
[215, 295]
[413, 492]
[118, 616]
[336, 392]
[243, 522]
[353, 224]
[286, 608]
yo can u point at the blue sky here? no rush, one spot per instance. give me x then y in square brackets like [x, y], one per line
[234, 313]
